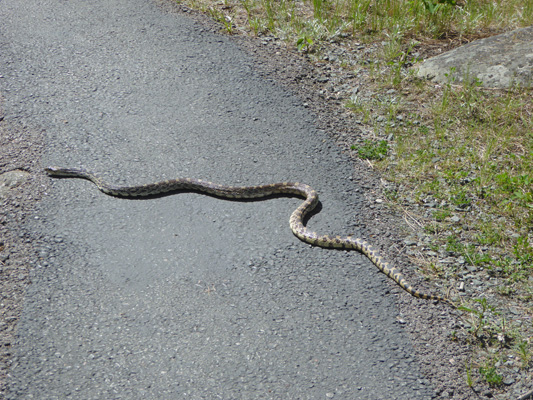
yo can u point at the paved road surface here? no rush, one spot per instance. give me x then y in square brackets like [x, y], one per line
[184, 296]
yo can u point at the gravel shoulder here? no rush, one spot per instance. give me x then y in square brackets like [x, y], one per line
[21, 187]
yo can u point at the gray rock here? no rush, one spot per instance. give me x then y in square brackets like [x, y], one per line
[508, 381]
[497, 61]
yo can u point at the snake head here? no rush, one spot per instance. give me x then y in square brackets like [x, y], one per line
[58, 171]
[51, 170]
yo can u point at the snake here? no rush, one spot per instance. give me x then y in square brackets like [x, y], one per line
[296, 220]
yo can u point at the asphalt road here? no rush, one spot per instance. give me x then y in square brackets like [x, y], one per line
[185, 296]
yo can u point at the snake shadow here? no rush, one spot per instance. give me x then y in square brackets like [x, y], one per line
[308, 216]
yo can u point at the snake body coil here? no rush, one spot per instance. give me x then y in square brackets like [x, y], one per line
[253, 192]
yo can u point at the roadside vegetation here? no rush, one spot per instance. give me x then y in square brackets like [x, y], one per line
[462, 151]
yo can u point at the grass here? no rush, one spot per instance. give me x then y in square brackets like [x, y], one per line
[476, 149]
[490, 375]
[472, 152]
[372, 150]
[465, 149]
[319, 20]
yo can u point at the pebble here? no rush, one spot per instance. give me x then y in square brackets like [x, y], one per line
[447, 260]
[508, 381]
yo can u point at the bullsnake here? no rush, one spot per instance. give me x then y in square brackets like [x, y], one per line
[255, 192]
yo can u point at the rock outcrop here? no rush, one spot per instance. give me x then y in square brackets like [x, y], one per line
[498, 61]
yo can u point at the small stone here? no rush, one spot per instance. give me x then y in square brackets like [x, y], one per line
[447, 260]
[508, 381]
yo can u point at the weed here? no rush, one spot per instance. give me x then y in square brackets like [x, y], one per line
[478, 317]
[524, 352]
[523, 250]
[468, 371]
[460, 199]
[491, 376]
[304, 43]
[489, 234]
[318, 9]
[434, 7]
[371, 150]
[453, 336]
[219, 16]
[454, 245]
[505, 290]
[398, 65]
[360, 107]
[432, 229]
[391, 194]
[257, 25]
